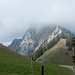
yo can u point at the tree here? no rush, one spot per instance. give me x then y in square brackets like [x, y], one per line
[69, 43]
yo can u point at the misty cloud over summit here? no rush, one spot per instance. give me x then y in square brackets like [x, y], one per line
[17, 15]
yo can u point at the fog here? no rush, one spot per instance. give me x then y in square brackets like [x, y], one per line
[17, 15]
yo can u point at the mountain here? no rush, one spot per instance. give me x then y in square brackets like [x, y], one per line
[32, 39]
[36, 37]
[13, 43]
[12, 63]
[53, 39]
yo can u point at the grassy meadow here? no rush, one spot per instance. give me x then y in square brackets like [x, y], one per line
[14, 64]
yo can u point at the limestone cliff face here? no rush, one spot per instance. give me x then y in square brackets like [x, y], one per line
[35, 37]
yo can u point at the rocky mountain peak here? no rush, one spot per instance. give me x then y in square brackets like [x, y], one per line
[54, 34]
[35, 37]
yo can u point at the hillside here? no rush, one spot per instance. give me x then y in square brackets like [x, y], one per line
[1, 46]
[14, 64]
[58, 54]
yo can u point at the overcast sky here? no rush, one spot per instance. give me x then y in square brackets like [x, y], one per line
[17, 15]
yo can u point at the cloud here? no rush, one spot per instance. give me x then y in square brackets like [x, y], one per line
[17, 15]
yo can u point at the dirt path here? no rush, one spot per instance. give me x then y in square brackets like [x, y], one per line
[70, 67]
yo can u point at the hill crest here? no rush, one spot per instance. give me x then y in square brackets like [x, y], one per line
[58, 54]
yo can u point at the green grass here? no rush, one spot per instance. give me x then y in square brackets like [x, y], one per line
[57, 56]
[53, 50]
[13, 64]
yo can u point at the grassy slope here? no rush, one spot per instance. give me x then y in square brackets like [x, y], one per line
[14, 64]
[57, 55]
